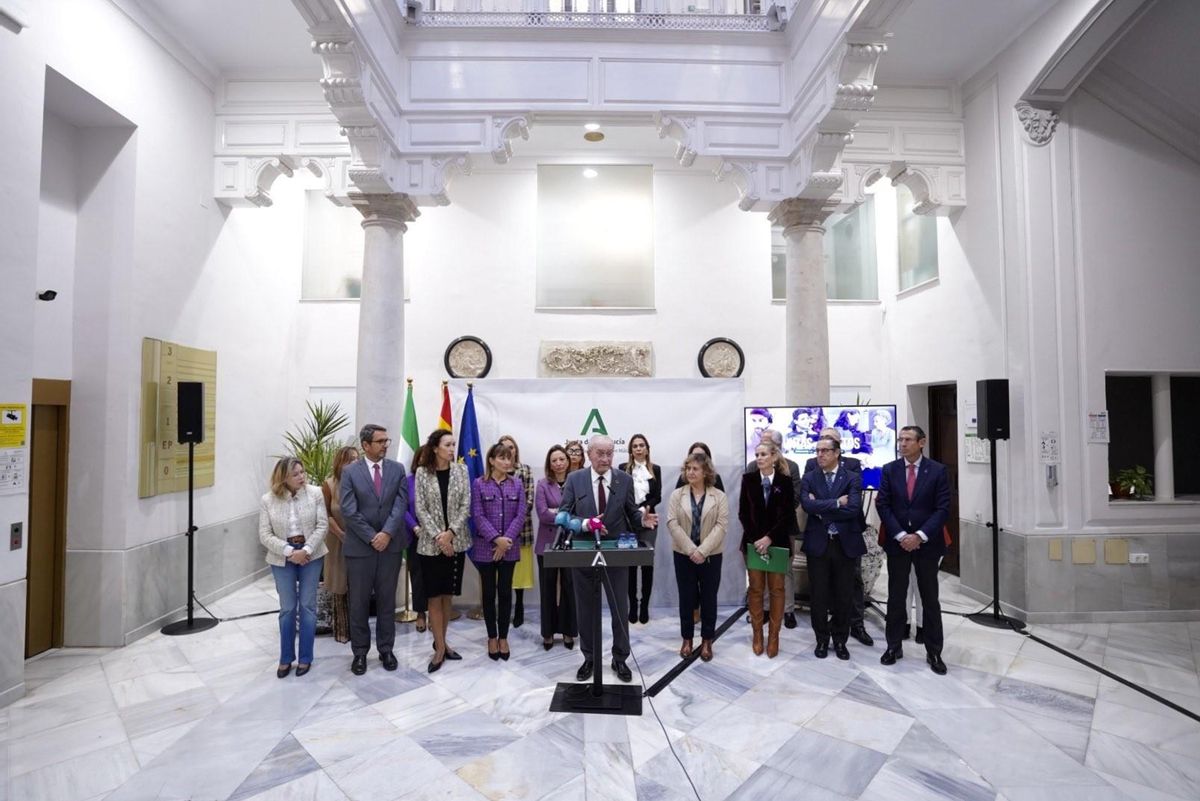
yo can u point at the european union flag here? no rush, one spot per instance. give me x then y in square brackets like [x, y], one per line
[469, 451]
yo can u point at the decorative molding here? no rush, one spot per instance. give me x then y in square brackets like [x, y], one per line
[801, 213]
[1039, 123]
[1103, 25]
[938, 190]
[395, 210]
[580, 359]
[763, 23]
[506, 130]
[1147, 106]
[241, 181]
[680, 130]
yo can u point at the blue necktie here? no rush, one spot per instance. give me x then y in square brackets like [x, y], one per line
[766, 485]
[832, 529]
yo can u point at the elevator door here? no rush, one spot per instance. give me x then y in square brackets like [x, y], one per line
[47, 526]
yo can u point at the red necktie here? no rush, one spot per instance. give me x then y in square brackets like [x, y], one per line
[379, 482]
[601, 499]
[912, 479]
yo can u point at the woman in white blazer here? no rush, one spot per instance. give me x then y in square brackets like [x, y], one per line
[292, 526]
[698, 517]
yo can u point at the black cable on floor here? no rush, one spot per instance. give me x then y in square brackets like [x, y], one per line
[1103, 671]
[686, 661]
[235, 617]
[642, 680]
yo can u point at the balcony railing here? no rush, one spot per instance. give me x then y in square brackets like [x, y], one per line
[691, 15]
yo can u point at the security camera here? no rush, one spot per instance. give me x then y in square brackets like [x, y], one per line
[47, 295]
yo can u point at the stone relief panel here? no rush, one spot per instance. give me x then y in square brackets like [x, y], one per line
[583, 359]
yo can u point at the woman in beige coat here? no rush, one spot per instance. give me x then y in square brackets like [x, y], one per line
[697, 517]
[291, 526]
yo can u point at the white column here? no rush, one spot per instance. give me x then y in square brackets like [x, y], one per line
[380, 392]
[806, 374]
[1164, 452]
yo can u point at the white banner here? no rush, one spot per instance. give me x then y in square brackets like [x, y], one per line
[670, 413]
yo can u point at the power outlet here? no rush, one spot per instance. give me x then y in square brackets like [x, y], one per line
[1139, 558]
[16, 534]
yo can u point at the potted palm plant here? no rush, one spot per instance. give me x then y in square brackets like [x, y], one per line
[316, 441]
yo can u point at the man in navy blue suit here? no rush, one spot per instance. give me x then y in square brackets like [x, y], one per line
[913, 505]
[832, 496]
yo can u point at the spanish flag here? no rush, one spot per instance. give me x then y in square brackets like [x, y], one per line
[444, 419]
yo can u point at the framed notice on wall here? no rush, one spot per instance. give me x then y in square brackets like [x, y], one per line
[163, 464]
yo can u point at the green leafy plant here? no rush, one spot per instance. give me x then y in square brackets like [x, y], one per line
[316, 441]
[1135, 481]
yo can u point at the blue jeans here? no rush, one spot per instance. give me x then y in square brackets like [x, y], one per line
[297, 588]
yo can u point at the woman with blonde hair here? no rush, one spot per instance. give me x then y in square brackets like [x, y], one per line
[768, 519]
[291, 526]
[335, 564]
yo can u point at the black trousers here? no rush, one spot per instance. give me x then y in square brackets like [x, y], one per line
[831, 580]
[420, 601]
[377, 573]
[495, 579]
[587, 608]
[927, 585]
[698, 585]
[858, 599]
[647, 585]
[558, 601]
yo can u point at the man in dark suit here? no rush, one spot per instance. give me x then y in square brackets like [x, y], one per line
[832, 495]
[600, 491]
[374, 498]
[857, 597]
[913, 504]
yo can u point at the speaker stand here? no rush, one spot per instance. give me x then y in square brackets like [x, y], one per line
[995, 619]
[192, 624]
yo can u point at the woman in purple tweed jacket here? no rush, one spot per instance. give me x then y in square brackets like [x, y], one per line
[498, 511]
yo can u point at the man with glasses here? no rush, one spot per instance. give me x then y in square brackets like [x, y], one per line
[600, 491]
[374, 498]
[858, 629]
[832, 496]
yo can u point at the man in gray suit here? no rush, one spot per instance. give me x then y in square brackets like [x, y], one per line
[374, 498]
[600, 491]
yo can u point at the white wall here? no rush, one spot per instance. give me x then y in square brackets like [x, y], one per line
[59, 207]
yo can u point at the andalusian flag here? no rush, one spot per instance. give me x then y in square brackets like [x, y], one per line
[410, 432]
[444, 419]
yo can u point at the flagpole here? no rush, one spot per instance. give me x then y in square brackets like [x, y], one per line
[411, 437]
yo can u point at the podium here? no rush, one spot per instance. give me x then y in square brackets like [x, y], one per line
[595, 697]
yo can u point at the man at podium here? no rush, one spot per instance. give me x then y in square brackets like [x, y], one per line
[600, 491]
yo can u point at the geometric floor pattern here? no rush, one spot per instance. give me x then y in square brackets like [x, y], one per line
[203, 717]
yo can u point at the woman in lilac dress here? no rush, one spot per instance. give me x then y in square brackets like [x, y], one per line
[557, 593]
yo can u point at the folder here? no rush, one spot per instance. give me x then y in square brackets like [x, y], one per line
[777, 560]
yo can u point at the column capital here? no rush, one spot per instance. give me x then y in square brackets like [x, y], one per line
[796, 213]
[396, 210]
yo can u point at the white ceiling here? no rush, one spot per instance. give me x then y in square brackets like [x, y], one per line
[947, 41]
[239, 36]
[1161, 50]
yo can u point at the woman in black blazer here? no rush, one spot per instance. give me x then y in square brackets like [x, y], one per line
[767, 513]
[647, 494]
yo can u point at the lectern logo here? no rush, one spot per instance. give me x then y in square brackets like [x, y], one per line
[594, 424]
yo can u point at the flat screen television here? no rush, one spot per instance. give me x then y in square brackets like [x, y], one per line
[868, 433]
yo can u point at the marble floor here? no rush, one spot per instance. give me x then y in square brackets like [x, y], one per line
[203, 717]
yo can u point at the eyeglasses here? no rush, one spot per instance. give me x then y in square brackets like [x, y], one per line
[381, 442]
[825, 450]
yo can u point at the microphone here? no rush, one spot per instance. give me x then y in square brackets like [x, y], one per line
[567, 528]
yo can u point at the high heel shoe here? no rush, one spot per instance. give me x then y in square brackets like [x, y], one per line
[569, 642]
[283, 670]
[302, 669]
[421, 622]
[435, 664]
[504, 654]
[493, 655]
[548, 643]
